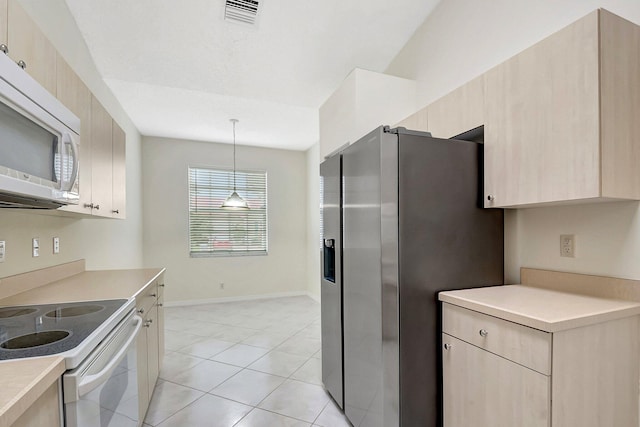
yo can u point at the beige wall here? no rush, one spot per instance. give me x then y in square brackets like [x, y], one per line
[165, 195]
[313, 222]
[461, 40]
[105, 244]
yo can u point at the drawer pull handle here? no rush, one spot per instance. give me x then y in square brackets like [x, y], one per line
[483, 332]
[153, 295]
[447, 346]
[141, 311]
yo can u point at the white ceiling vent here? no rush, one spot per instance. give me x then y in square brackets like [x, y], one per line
[242, 11]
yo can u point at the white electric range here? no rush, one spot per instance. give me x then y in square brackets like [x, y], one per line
[97, 340]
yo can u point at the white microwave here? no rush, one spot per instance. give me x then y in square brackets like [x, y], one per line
[39, 144]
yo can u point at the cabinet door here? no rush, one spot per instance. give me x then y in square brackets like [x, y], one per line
[483, 389]
[459, 111]
[152, 346]
[44, 412]
[29, 44]
[101, 159]
[75, 95]
[160, 322]
[143, 373]
[119, 186]
[3, 22]
[542, 121]
[416, 121]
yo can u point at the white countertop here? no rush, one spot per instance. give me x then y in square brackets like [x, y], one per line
[543, 309]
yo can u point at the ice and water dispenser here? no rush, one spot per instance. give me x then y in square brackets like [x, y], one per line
[329, 268]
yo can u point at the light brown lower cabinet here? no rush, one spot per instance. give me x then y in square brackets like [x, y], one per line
[497, 373]
[45, 411]
[150, 343]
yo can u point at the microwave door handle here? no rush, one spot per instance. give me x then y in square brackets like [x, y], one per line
[90, 382]
[66, 139]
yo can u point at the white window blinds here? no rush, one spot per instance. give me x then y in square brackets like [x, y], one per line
[214, 231]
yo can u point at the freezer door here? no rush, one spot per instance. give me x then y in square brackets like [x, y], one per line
[364, 337]
[331, 277]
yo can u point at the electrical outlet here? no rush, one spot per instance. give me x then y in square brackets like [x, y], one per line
[35, 247]
[56, 245]
[221, 285]
[567, 245]
[2, 249]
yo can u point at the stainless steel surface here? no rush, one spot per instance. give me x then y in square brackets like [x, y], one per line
[446, 241]
[483, 332]
[39, 153]
[413, 225]
[363, 367]
[389, 175]
[22, 64]
[331, 291]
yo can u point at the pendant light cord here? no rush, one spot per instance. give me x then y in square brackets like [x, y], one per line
[234, 156]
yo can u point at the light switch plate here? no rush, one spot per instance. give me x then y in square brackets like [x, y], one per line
[56, 245]
[35, 247]
[2, 250]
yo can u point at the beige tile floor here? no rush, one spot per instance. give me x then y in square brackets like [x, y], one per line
[244, 364]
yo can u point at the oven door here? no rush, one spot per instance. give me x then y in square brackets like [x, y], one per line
[103, 390]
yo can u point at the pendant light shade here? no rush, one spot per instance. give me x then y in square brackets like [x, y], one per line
[234, 201]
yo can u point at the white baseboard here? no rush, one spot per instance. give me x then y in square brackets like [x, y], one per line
[235, 299]
[314, 297]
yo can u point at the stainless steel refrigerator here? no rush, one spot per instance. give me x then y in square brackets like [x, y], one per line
[402, 219]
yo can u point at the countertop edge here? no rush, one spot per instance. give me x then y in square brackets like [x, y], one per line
[537, 323]
[19, 404]
[149, 282]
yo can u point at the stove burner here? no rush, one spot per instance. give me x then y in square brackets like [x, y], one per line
[79, 310]
[34, 340]
[15, 312]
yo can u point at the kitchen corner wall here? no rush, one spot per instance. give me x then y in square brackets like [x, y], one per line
[463, 39]
[166, 233]
[104, 243]
[313, 222]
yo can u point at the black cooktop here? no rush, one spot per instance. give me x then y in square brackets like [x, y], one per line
[42, 330]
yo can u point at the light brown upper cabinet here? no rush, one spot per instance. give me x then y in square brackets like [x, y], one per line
[101, 160]
[562, 117]
[28, 44]
[3, 22]
[417, 121]
[119, 168]
[75, 95]
[459, 111]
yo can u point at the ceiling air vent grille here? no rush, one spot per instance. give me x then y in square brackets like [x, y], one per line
[243, 11]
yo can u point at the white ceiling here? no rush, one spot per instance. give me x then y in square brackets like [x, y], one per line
[180, 70]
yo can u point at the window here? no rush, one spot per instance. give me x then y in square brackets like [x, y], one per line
[214, 231]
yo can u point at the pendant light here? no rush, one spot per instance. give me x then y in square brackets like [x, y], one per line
[234, 201]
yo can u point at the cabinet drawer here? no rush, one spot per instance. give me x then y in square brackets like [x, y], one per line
[521, 344]
[147, 299]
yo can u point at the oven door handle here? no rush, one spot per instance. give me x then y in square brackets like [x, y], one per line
[90, 382]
